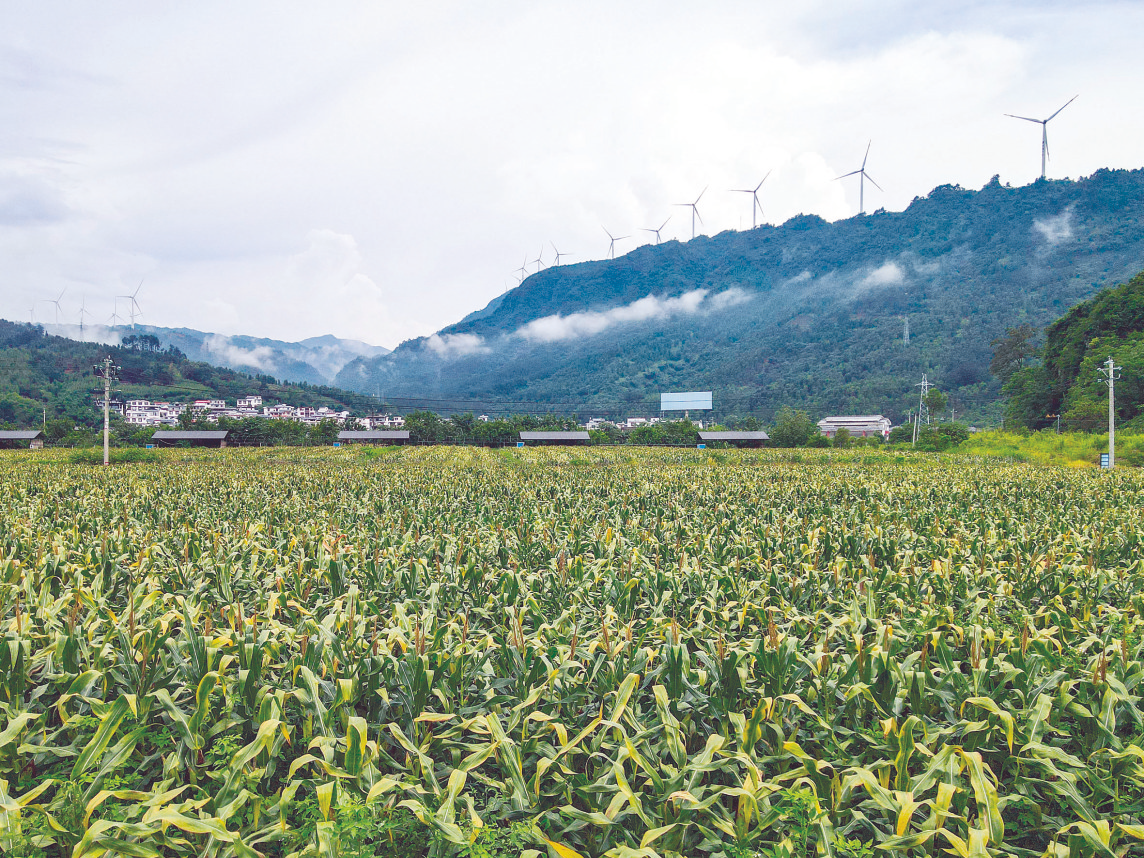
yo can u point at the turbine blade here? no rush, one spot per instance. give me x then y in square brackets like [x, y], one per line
[847, 175]
[1026, 118]
[867, 155]
[767, 176]
[665, 222]
[872, 182]
[605, 229]
[1066, 104]
[701, 193]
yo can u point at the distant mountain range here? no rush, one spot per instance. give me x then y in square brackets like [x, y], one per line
[809, 314]
[50, 377]
[316, 360]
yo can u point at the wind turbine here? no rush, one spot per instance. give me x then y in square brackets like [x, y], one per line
[694, 210]
[862, 177]
[756, 206]
[82, 312]
[656, 231]
[614, 238]
[115, 318]
[558, 253]
[133, 308]
[1044, 123]
[56, 301]
[539, 259]
[523, 270]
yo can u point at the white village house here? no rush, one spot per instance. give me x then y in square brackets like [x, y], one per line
[858, 425]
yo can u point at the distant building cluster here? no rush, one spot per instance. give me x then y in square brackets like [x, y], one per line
[143, 413]
[633, 423]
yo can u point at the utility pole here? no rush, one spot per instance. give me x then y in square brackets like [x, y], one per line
[925, 386]
[1109, 371]
[107, 371]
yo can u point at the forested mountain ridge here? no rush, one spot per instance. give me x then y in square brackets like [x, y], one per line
[809, 313]
[315, 360]
[39, 371]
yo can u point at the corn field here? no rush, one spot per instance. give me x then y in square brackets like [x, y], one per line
[606, 652]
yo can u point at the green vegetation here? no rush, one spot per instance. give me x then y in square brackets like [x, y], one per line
[1066, 380]
[602, 652]
[810, 313]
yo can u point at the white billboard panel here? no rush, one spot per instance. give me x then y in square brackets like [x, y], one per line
[685, 401]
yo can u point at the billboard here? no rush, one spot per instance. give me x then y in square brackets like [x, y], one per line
[685, 401]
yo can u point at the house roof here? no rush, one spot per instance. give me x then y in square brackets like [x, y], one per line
[184, 435]
[374, 435]
[854, 418]
[734, 436]
[20, 434]
[555, 436]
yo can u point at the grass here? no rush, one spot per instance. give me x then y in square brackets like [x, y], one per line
[1068, 449]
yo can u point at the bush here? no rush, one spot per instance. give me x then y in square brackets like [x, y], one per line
[793, 428]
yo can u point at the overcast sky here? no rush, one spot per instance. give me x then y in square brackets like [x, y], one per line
[376, 170]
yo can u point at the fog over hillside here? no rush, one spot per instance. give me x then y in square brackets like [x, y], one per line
[316, 360]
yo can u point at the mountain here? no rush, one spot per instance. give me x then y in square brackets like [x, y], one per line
[45, 377]
[808, 314]
[316, 360]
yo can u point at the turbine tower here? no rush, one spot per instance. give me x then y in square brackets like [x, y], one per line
[862, 177]
[756, 206]
[614, 238]
[133, 308]
[656, 230]
[1044, 123]
[694, 210]
[557, 252]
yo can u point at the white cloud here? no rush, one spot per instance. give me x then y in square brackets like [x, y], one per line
[728, 298]
[259, 357]
[550, 329]
[456, 345]
[1055, 230]
[887, 274]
